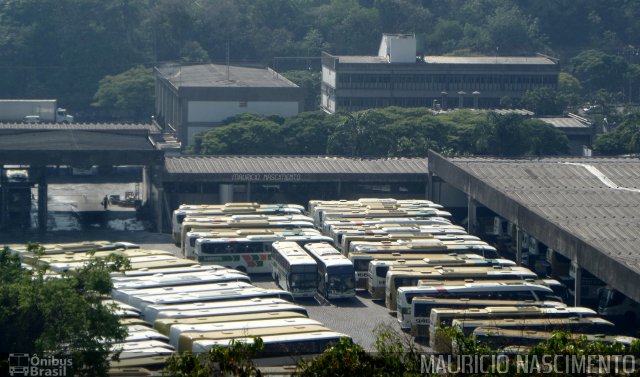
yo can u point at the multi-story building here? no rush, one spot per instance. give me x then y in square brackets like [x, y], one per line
[193, 99]
[397, 76]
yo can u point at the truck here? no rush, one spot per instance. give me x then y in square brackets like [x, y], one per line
[33, 111]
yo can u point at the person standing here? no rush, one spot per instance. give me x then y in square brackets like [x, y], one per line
[105, 202]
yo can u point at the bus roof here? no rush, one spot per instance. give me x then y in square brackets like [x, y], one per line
[163, 325]
[293, 253]
[327, 254]
[478, 287]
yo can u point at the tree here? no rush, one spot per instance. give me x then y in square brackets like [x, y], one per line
[309, 81]
[597, 70]
[543, 101]
[130, 93]
[243, 134]
[64, 316]
[623, 140]
[234, 360]
[569, 89]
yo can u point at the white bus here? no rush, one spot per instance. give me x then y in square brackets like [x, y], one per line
[520, 291]
[227, 210]
[332, 214]
[163, 325]
[189, 244]
[75, 247]
[338, 231]
[159, 261]
[293, 269]
[347, 239]
[194, 268]
[384, 221]
[205, 309]
[251, 254]
[134, 297]
[283, 349]
[212, 296]
[174, 280]
[443, 317]
[377, 276]
[506, 337]
[431, 275]
[433, 246]
[180, 334]
[593, 325]
[336, 275]
[243, 221]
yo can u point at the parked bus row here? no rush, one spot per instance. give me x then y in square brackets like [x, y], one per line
[171, 304]
[410, 255]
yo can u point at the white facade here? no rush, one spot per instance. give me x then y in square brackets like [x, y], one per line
[398, 48]
[217, 111]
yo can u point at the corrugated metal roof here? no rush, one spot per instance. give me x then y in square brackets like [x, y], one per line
[565, 122]
[494, 60]
[572, 197]
[293, 165]
[80, 126]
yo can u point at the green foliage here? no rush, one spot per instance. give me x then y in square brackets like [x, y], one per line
[389, 132]
[597, 70]
[129, 92]
[625, 139]
[62, 49]
[234, 360]
[543, 101]
[64, 315]
[309, 81]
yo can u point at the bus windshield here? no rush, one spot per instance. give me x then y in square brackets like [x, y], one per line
[302, 277]
[341, 278]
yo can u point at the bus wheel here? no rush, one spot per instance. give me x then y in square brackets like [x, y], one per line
[241, 269]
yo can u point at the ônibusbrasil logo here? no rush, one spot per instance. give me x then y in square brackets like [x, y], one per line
[24, 364]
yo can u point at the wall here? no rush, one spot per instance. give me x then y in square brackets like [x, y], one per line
[217, 111]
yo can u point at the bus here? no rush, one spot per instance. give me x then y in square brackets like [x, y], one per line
[76, 247]
[189, 244]
[338, 231]
[336, 275]
[134, 297]
[383, 221]
[194, 268]
[317, 208]
[592, 325]
[321, 216]
[520, 291]
[186, 341]
[377, 276]
[347, 239]
[443, 317]
[174, 280]
[251, 254]
[283, 349]
[230, 222]
[163, 325]
[204, 309]
[432, 245]
[218, 295]
[408, 277]
[71, 257]
[293, 269]
[227, 210]
[179, 335]
[158, 261]
[507, 337]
